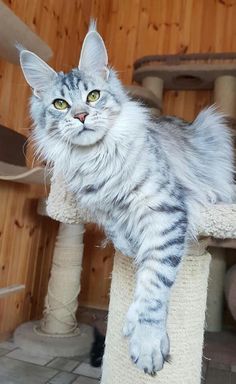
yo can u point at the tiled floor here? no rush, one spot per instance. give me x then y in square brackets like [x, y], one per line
[216, 373]
[17, 367]
[219, 364]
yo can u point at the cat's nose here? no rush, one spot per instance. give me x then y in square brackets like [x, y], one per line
[81, 116]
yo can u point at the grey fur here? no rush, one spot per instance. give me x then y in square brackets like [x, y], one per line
[142, 179]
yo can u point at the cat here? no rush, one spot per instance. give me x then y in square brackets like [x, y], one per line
[143, 179]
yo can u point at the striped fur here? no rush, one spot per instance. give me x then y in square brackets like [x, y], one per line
[142, 179]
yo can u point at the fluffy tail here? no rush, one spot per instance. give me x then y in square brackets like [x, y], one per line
[214, 143]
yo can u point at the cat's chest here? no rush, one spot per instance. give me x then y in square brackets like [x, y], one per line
[95, 193]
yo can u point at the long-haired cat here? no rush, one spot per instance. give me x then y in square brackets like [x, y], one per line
[142, 179]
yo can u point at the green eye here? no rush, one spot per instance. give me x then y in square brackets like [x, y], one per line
[60, 104]
[93, 96]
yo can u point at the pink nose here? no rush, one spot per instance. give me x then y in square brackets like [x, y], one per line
[81, 116]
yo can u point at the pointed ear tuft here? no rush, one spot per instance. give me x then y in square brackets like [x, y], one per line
[93, 57]
[37, 73]
[92, 25]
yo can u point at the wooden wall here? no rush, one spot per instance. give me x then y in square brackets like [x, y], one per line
[26, 239]
[131, 29]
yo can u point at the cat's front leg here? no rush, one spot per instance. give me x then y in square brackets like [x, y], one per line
[158, 260]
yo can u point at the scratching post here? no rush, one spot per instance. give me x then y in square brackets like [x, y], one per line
[58, 333]
[186, 309]
[185, 323]
[187, 303]
[225, 94]
[155, 85]
[225, 99]
[230, 290]
[215, 290]
[64, 284]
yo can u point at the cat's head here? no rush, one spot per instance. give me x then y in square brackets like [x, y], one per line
[77, 108]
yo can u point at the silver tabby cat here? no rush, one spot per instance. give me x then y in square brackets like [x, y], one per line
[142, 179]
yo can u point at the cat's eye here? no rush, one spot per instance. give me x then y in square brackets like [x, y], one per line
[93, 96]
[60, 104]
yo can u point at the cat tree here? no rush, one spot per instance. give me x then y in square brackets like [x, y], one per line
[58, 332]
[188, 299]
[189, 294]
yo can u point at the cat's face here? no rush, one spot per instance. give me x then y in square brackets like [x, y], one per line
[77, 108]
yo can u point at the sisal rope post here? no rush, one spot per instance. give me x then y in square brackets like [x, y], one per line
[185, 323]
[61, 301]
[225, 99]
[64, 284]
[230, 290]
[215, 295]
[225, 94]
[155, 85]
[58, 333]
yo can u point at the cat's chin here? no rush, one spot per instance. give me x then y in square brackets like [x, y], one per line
[86, 139]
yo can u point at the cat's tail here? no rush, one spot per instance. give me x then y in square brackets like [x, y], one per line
[214, 142]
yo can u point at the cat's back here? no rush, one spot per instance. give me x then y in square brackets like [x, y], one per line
[200, 153]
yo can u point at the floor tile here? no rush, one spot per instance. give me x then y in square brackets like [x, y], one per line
[221, 347]
[63, 378]
[63, 364]
[217, 376]
[233, 378]
[85, 380]
[3, 351]
[24, 356]
[8, 345]
[81, 359]
[85, 369]
[19, 372]
[6, 380]
[86, 360]
[217, 365]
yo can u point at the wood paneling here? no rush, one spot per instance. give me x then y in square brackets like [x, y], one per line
[96, 273]
[22, 236]
[131, 29]
[26, 239]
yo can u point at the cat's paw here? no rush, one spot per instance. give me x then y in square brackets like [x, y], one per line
[149, 347]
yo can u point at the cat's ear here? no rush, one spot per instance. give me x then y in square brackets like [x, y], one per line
[37, 73]
[93, 57]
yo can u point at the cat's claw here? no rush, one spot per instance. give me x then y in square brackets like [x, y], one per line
[148, 345]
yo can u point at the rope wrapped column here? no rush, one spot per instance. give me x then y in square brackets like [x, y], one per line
[185, 323]
[225, 94]
[225, 99]
[155, 85]
[216, 290]
[58, 333]
[61, 301]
